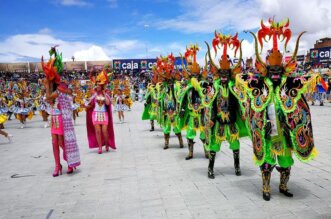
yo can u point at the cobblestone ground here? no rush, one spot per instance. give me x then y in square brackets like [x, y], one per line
[141, 180]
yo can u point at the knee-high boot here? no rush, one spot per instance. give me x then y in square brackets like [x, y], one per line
[284, 178]
[266, 170]
[166, 141]
[180, 139]
[56, 153]
[236, 162]
[190, 149]
[212, 155]
[204, 148]
[152, 125]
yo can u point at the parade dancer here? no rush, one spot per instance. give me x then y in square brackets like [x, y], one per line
[10, 100]
[99, 118]
[191, 107]
[77, 100]
[42, 108]
[75, 107]
[169, 105]
[122, 97]
[278, 115]
[223, 121]
[320, 93]
[150, 109]
[4, 118]
[23, 106]
[59, 99]
[3, 111]
[120, 107]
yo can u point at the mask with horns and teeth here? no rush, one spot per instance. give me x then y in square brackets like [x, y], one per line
[224, 70]
[274, 67]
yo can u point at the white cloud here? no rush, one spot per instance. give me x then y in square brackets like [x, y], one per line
[80, 3]
[206, 16]
[30, 47]
[95, 53]
[231, 16]
[27, 47]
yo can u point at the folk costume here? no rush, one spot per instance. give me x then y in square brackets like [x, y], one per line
[23, 103]
[99, 114]
[278, 116]
[42, 107]
[4, 117]
[59, 99]
[165, 99]
[150, 106]
[191, 106]
[222, 113]
[121, 92]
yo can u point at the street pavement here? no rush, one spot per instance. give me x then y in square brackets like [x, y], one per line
[141, 180]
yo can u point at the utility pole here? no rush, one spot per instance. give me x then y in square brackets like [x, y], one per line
[146, 26]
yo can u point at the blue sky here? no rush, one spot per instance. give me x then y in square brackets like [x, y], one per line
[107, 29]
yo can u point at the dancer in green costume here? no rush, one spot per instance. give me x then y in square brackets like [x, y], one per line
[223, 122]
[278, 115]
[191, 101]
[167, 99]
[150, 110]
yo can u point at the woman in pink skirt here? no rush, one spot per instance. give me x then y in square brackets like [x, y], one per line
[59, 107]
[54, 110]
[99, 121]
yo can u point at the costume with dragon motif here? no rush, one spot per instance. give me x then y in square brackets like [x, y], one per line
[275, 109]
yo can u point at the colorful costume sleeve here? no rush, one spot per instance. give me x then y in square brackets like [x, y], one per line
[297, 115]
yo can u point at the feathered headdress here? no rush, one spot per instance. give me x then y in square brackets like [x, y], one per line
[101, 78]
[165, 69]
[54, 67]
[275, 31]
[228, 42]
[22, 88]
[193, 68]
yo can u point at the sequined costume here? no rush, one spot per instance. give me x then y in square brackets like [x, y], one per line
[276, 112]
[223, 121]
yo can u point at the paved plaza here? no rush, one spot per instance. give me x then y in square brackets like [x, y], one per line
[141, 180]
